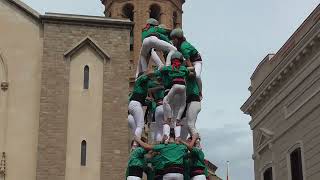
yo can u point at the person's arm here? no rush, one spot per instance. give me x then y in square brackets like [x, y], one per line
[188, 63]
[144, 145]
[191, 144]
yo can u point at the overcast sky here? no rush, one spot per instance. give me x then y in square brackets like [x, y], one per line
[233, 37]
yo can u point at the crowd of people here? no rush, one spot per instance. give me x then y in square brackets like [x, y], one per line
[172, 91]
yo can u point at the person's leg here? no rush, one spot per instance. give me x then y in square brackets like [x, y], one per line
[192, 113]
[184, 129]
[181, 93]
[135, 109]
[199, 177]
[133, 178]
[145, 49]
[165, 47]
[132, 124]
[198, 69]
[159, 118]
[156, 59]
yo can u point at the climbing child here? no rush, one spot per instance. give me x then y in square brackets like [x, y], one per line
[153, 37]
[190, 53]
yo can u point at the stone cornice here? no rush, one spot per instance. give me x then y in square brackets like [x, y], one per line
[277, 78]
[81, 19]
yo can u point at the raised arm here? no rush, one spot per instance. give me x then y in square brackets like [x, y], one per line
[191, 144]
[146, 146]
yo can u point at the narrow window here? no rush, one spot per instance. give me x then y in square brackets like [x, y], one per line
[83, 153]
[155, 12]
[296, 164]
[267, 175]
[86, 77]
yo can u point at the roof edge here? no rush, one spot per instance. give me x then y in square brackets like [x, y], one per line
[27, 9]
[85, 18]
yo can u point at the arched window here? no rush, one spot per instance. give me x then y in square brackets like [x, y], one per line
[267, 175]
[296, 164]
[83, 153]
[175, 19]
[155, 12]
[86, 77]
[127, 12]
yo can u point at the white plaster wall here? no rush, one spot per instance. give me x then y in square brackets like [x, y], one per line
[21, 46]
[84, 116]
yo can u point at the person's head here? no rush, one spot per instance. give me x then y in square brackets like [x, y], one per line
[176, 58]
[152, 22]
[177, 36]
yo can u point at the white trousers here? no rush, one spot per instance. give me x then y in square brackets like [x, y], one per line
[147, 45]
[136, 111]
[159, 118]
[132, 124]
[133, 178]
[193, 109]
[198, 69]
[173, 176]
[184, 130]
[199, 177]
[174, 104]
[175, 100]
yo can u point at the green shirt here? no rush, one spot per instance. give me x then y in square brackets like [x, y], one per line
[197, 158]
[152, 105]
[192, 87]
[137, 158]
[156, 31]
[158, 95]
[167, 74]
[181, 72]
[171, 154]
[142, 84]
[165, 78]
[187, 50]
[186, 174]
[157, 162]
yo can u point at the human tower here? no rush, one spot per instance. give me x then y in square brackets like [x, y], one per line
[172, 92]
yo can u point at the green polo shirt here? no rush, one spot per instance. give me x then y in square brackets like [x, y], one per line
[157, 162]
[156, 31]
[192, 87]
[181, 72]
[137, 158]
[158, 95]
[171, 154]
[141, 86]
[197, 158]
[165, 78]
[187, 50]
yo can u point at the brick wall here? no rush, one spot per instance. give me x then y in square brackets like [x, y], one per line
[59, 37]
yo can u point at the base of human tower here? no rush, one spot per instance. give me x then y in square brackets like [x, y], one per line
[149, 134]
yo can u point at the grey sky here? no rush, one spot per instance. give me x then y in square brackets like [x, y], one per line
[233, 37]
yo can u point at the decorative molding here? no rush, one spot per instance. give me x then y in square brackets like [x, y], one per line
[87, 41]
[265, 140]
[290, 65]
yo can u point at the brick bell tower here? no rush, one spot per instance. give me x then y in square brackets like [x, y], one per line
[167, 12]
